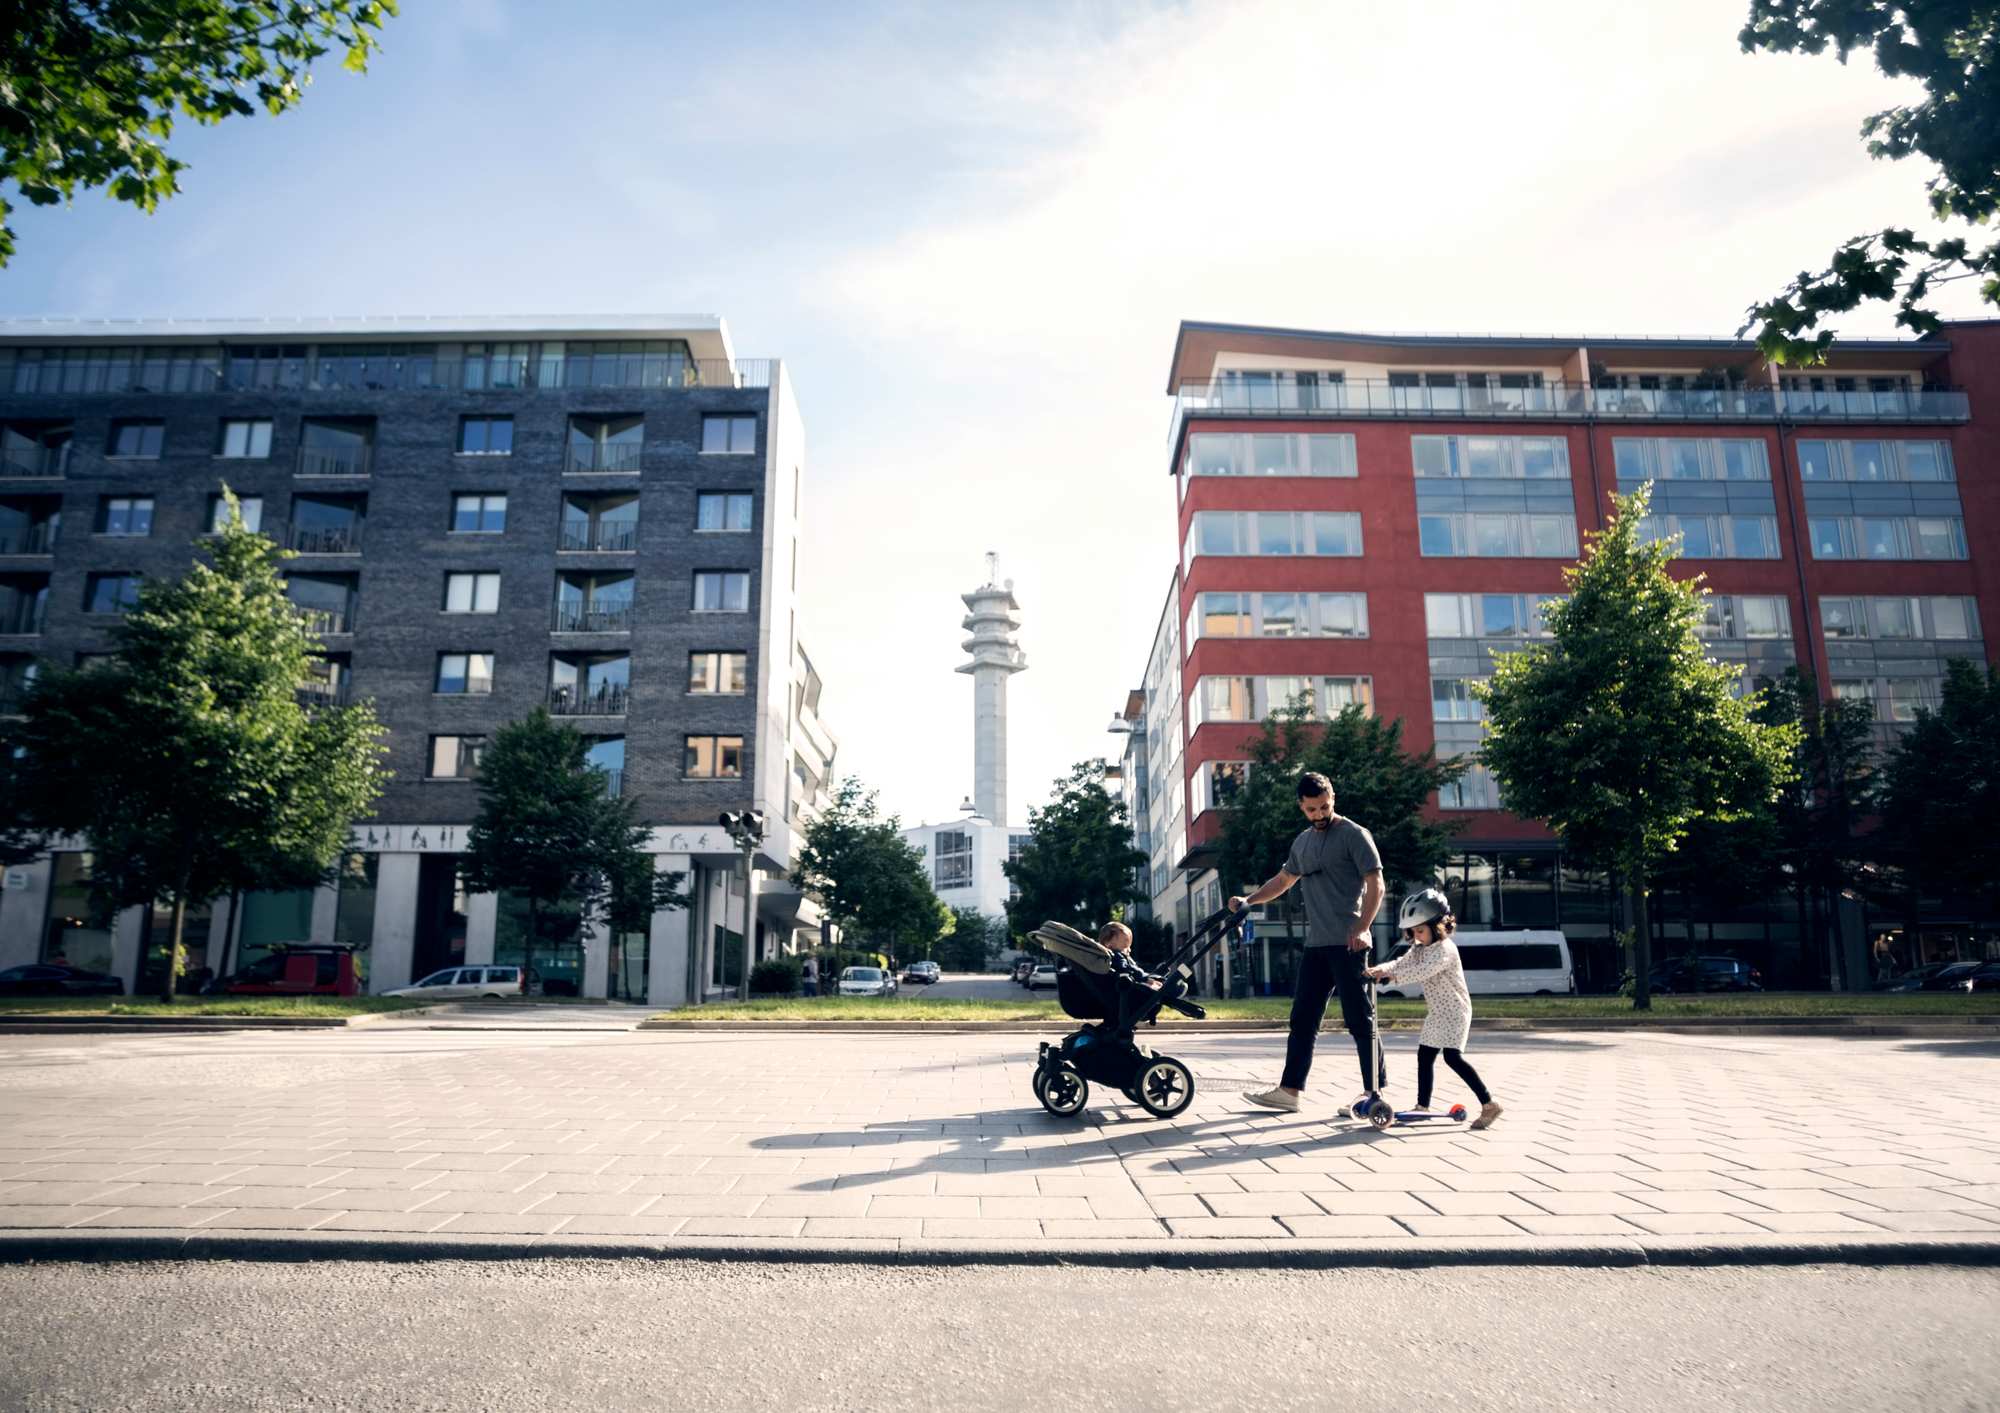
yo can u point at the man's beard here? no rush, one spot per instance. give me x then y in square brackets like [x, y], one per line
[1323, 824]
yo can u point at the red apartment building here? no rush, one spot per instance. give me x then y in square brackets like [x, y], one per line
[1371, 517]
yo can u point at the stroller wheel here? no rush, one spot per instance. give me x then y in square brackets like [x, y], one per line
[1063, 1093]
[1165, 1087]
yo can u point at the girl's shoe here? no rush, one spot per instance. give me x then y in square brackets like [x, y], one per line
[1488, 1112]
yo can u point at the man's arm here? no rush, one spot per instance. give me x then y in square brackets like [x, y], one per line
[1276, 885]
[1371, 903]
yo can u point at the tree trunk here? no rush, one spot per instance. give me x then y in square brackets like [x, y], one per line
[172, 983]
[1642, 947]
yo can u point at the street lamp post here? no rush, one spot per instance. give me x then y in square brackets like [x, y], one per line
[746, 827]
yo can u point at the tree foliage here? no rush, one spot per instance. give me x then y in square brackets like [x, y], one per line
[1619, 731]
[1940, 799]
[1376, 783]
[868, 878]
[549, 829]
[1078, 866]
[974, 940]
[90, 89]
[1949, 47]
[187, 760]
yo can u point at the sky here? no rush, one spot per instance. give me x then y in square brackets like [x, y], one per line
[972, 231]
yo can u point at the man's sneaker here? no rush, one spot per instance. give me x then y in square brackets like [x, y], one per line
[1488, 1112]
[1277, 1098]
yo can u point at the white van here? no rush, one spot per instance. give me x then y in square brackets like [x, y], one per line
[1511, 964]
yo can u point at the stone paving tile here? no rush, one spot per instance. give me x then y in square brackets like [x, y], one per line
[987, 1185]
[1592, 1204]
[583, 1182]
[265, 1219]
[370, 1200]
[49, 1216]
[1460, 1226]
[1261, 1204]
[377, 1221]
[1798, 1179]
[921, 1205]
[58, 1194]
[465, 1162]
[1371, 1204]
[1884, 1176]
[1802, 1199]
[1579, 1225]
[170, 1194]
[1479, 1204]
[872, 1228]
[743, 1226]
[1340, 1226]
[1489, 1182]
[610, 1224]
[286, 1175]
[812, 1204]
[1389, 1182]
[1689, 1202]
[1226, 1228]
[1813, 1223]
[721, 1205]
[166, 1218]
[1178, 1204]
[506, 1224]
[1695, 1224]
[451, 1200]
[228, 1195]
[80, 1172]
[981, 1229]
[391, 1162]
[1911, 1222]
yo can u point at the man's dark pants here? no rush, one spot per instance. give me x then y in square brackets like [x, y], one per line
[1322, 970]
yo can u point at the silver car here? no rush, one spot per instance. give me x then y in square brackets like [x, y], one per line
[466, 984]
[866, 981]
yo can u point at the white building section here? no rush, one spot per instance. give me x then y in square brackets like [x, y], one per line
[993, 617]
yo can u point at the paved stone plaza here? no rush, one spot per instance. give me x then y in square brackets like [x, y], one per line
[407, 1127]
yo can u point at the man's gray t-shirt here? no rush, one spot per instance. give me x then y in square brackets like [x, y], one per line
[1331, 865]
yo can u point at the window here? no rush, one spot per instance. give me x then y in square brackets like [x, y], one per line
[135, 438]
[1892, 618]
[125, 515]
[594, 685]
[1253, 698]
[464, 674]
[1474, 790]
[1839, 618]
[478, 514]
[1491, 458]
[1716, 536]
[718, 674]
[720, 592]
[717, 511]
[1763, 616]
[1887, 537]
[1954, 618]
[1497, 536]
[951, 858]
[713, 758]
[327, 601]
[1945, 618]
[111, 593]
[1218, 782]
[1342, 616]
[1452, 699]
[1486, 615]
[250, 507]
[728, 432]
[1271, 454]
[246, 439]
[486, 436]
[456, 757]
[606, 444]
[1690, 459]
[1274, 532]
[336, 448]
[1875, 461]
[472, 593]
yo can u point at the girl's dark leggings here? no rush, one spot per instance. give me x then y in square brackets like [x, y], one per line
[1427, 1070]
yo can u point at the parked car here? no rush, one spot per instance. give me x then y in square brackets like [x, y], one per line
[1951, 978]
[58, 979]
[867, 981]
[472, 983]
[921, 973]
[1987, 978]
[1915, 977]
[1041, 976]
[297, 969]
[1706, 974]
[1023, 969]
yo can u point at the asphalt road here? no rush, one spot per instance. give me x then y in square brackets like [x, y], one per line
[966, 985]
[642, 1334]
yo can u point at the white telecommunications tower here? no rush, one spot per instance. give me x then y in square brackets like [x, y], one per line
[992, 617]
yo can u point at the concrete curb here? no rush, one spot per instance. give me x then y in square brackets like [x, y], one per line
[107, 1246]
[29, 1025]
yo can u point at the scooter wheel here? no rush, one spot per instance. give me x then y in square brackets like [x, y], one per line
[1380, 1113]
[1458, 1113]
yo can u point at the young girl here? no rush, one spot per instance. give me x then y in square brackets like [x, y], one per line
[1432, 960]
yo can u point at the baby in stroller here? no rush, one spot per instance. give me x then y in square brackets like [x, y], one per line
[1098, 982]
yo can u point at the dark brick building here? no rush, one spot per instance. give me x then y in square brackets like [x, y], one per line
[598, 515]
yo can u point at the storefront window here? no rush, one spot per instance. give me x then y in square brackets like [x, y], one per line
[268, 919]
[72, 935]
[1528, 890]
[558, 947]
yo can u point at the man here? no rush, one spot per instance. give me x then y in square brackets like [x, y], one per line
[1341, 869]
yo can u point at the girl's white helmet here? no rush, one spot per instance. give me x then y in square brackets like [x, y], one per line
[1419, 908]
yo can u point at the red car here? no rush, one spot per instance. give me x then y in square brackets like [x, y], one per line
[298, 969]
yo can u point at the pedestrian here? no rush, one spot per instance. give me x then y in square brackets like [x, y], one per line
[1433, 962]
[809, 976]
[1337, 861]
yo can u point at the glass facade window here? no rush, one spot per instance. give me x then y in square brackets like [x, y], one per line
[486, 436]
[951, 858]
[456, 757]
[717, 511]
[713, 758]
[1271, 454]
[250, 507]
[111, 593]
[1474, 790]
[1716, 536]
[478, 514]
[125, 515]
[1452, 699]
[1886, 537]
[1690, 459]
[1480, 535]
[246, 439]
[1218, 782]
[1254, 698]
[74, 934]
[1875, 461]
[464, 674]
[471, 593]
[721, 592]
[718, 674]
[131, 437]
[1274, 533]
[729, 432]
[1947, 618]
[1487, 615]
[1491, 458]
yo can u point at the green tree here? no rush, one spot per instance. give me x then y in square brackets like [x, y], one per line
[1376, 782]
[549, 829]
[868, 878]
[1620, 732]
[1078, 866]
[187, 761]
[974, 940]
[90, 89]
[1940, 803]
[1948, 47]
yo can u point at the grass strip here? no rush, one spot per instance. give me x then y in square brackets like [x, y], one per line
[308, 1007]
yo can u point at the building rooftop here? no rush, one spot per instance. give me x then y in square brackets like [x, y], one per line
[707, 334]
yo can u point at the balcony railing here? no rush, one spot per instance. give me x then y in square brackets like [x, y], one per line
[573, 701]
[334, 461]
[327, 539]
[39, 463]
[323, 694]
[24, 621]
[29, 539]
[327, 620]
[604, 456]
[405, 372]
[594, 618]
[1560, 401]
[613, 536]
[614, 783]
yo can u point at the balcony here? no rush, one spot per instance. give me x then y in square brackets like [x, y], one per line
[607, 700]
[606, 536]
[22, 621]
[405, 371]
[40, 463]
[321, 695]
[614, 783]
[29, 539]
[327, 539]
[327, 620]
[604, 457]
[1239, 398]
[580, 617]
[334, 461]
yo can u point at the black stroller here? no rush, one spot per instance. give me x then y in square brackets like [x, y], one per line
[1104, 1051]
